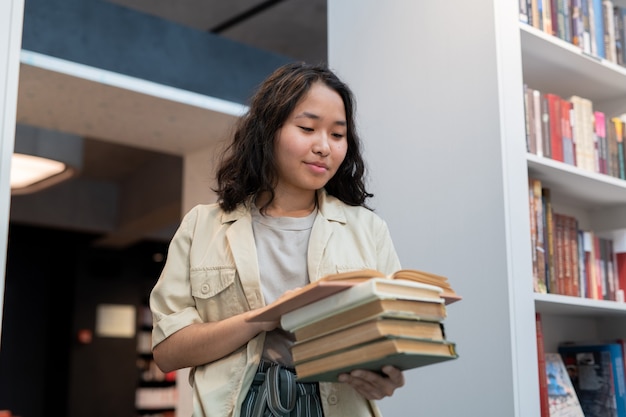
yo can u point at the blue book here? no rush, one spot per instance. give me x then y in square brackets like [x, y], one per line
[598, 23]
[597, 373]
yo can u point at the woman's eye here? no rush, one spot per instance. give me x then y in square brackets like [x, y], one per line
[338, 135]
[306, 129]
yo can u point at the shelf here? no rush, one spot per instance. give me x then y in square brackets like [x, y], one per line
[588, 190]
[553, 65]
[576, 306]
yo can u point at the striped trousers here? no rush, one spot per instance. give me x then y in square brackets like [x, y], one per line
[275, 393]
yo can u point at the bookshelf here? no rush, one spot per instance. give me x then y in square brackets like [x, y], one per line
[450, 174]
[156, 394]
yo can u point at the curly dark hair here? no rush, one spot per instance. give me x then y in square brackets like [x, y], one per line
[248, 165]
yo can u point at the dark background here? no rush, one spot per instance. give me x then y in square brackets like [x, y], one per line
[54, 281]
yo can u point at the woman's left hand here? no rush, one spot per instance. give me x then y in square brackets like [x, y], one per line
[374, 386]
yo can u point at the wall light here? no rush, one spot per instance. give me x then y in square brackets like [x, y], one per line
[43, 158]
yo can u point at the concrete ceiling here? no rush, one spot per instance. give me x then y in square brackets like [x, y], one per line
[128, 188]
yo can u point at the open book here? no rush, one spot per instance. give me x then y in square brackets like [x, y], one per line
[334, 283]
[448, 294]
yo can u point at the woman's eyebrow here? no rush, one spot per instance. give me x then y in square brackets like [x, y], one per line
[316, 117]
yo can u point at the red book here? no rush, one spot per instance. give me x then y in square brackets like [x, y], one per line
[556, 123]
[543, 377]
[620, 258]
[567, 132]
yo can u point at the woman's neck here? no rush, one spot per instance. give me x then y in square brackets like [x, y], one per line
[288, 206]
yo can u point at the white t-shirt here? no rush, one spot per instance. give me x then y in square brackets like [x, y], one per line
[282, 244]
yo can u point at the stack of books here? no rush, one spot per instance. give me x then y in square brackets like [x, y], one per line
[373, 321]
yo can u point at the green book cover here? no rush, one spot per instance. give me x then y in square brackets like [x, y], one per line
[403, 353]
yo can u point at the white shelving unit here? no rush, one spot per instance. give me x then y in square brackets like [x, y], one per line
[440, 101]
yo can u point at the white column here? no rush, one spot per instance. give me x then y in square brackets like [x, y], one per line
[198, 178]
[11, 20]
[440, 111]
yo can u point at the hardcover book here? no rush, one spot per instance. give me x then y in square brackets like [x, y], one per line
[365, 332]
[372, 289]
[544, 399]
[597, 373]
[406, 309]
[562, 397]
[403, 353]
[411, 281]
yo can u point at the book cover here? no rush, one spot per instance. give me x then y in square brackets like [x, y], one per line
[545, 126]
[586, 40]
[562, 397]
[419, 284]
[405, 309]
[544, 400]
[530, 119]
[372, 289]
[550, 242]
[600, 141]
[597, 373]
[536, 97]
[363, 332]
[402, 353]
[597, 14]
[569, 152]
[556, 139]
[619, 138]
[539, 238]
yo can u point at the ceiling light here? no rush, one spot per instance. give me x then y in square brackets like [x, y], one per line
[27, 170]
[43, 158]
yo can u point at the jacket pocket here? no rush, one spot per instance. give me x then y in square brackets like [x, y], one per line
[207, 283]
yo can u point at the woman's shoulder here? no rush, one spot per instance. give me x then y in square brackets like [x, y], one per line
[337, 208]
[204, 208]
[213, 212]
[203, 212]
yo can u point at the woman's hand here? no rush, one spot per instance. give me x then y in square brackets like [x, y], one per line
[374, 386]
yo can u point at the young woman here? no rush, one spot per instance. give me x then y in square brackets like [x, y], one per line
[291, 208]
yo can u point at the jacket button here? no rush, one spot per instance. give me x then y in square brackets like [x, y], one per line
[205, 288]
[332, 399]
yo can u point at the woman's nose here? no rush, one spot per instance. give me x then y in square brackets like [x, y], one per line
[321, 146]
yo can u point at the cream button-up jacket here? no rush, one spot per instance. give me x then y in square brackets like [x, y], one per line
[212, 273]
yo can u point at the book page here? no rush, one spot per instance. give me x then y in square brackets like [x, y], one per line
[360, 275]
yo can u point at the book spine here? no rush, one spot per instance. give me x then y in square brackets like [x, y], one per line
[556, 140]
[543, 378]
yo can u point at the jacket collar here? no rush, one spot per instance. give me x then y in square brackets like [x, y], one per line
[329, 207]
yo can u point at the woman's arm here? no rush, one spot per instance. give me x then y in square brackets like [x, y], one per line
[201, 343]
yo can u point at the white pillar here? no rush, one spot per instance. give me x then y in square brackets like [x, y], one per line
[198, 178]
[11, 20]
[440, 112]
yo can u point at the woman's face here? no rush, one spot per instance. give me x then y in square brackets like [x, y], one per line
[312, 143]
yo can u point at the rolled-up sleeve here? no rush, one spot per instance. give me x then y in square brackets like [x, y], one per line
[171, 302]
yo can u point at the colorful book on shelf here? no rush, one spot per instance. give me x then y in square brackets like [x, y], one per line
[403, 353]
[538, 235]
[569, 149]
[529, 113]
[597, 14]
[545, 126]
[562, 397]
[372, 289]
[404, 283]
[551, 284]
[544, 400]
[365, 332]
[556, 138]
[597, 373]
[388, 308]
[600, 141]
